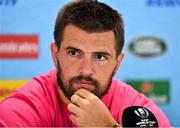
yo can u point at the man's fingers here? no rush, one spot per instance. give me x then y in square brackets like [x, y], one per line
[79, 101]
[74, 109]
[75, 99]
[73, 118]
[84, 93]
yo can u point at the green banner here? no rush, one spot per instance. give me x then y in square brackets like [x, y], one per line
[156, 90]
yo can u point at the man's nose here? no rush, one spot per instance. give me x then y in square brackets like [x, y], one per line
[86, 66]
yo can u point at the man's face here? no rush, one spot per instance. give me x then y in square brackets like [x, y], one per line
[86, 60]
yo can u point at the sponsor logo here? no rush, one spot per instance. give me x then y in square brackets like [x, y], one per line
[166, 3]
[147, 46]
[141, 112]
[19, 46]
[8, 2]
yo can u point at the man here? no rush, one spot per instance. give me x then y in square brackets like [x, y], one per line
[80, 91]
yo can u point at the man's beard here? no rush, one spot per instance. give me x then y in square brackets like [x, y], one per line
[69, 90]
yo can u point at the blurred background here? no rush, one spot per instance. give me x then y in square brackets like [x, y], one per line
[152, 44]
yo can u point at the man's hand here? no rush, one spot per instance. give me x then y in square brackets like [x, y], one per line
[88, 110]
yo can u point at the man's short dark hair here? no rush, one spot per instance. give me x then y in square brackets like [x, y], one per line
[91, 16]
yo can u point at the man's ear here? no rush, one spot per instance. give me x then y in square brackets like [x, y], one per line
[119, 61]
[54, 50]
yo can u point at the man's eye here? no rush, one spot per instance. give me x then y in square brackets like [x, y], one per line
[101, 57]
[73, 53]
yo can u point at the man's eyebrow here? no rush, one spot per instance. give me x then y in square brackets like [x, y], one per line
[73, 48]
[102, 53]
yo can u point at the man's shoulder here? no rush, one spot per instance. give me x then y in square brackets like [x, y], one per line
[32, 100]
[45, 80]
[39, 88]
[127, 94]
[121, 86]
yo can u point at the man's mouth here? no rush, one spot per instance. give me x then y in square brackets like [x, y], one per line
[84, 84]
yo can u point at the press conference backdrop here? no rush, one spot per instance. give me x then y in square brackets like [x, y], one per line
[152, 44]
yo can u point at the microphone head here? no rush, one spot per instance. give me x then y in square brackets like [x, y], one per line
[138, 116]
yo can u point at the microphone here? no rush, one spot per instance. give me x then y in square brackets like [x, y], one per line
[138, 116]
